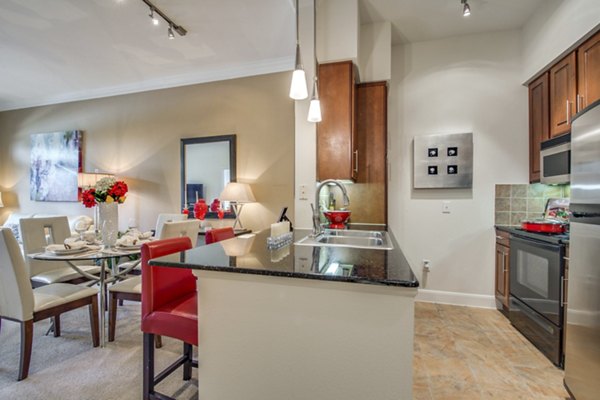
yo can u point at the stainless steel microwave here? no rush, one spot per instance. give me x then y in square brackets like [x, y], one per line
[555, 160]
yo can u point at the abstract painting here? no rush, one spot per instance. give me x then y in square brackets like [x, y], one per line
[55, 162]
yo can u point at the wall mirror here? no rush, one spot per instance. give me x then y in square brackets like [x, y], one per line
[207, 165]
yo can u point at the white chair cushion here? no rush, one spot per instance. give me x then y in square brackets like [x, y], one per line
[59, 293]
[63, 274]
[128, 264]
[131, 285]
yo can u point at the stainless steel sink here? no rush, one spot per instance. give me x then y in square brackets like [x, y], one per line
[349, 238]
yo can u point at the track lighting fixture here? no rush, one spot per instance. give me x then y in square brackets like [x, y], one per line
[298, 89]
[153, 17]
[173, 27]
[466, 8]
[314, 110]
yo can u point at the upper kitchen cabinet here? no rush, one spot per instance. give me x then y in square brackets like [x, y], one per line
[539, 123]
[588, 61]
[563, 94]
[337, 145]
[371, 105]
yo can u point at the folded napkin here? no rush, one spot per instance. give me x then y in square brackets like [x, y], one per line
[70, 244]
[129, 241]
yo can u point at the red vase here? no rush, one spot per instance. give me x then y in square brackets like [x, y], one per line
[200, 209]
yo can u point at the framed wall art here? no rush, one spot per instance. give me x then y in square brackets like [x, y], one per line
[55, 161]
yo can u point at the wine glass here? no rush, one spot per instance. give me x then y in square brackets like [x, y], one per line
[81, 227]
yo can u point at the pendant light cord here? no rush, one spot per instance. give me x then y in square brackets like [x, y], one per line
[297, 24]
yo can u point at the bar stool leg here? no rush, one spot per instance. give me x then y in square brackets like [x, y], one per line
[148, 361]
[187, 365]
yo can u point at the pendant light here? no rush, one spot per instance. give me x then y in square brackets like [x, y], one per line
[466, 8]
[314, 110]
[298, 89]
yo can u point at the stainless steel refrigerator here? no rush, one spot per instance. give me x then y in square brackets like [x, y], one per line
[582, 351]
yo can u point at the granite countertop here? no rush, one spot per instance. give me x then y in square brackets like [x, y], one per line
[249, 254]
[544, 237]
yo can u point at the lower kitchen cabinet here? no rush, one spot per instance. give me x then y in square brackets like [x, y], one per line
[502, 270]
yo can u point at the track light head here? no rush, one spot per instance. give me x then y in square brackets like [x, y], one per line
[466, 8]
[171, 35]
[153, 17]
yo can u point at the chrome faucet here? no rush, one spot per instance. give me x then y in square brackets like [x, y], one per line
[316, 208]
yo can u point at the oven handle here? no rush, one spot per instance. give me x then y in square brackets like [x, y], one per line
[563, 282]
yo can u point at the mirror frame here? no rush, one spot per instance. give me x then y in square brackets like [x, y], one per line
[231, 139]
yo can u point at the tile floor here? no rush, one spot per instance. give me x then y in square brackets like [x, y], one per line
[471, 353]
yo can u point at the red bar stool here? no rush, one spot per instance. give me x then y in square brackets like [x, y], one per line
[216, 235]
[169, 308]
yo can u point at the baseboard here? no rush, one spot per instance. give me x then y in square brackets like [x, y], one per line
[455, 298]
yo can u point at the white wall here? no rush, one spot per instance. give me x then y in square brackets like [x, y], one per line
[461, 84]
[375, 52]
[337, 30]
[555, 27]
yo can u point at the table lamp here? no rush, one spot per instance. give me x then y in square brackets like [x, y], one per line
[238, 194]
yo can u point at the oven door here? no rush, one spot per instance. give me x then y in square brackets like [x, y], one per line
[536, 276]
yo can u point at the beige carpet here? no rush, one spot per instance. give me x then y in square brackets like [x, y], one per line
[69, 367]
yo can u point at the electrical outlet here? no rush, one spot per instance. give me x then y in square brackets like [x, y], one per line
[445, 207]
[426, 265]
[303, 192]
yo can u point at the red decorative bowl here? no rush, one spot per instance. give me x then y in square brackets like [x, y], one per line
[337, 219]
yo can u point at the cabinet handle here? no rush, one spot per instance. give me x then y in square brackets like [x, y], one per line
[568, 113]
[566, 258]
[579, 98]
[563, 282]
[499, 237]
[356, 161]
[503, 262]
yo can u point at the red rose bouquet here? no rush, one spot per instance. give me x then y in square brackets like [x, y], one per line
[106, 190]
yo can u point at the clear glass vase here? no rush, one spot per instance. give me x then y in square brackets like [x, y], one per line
[109, 223]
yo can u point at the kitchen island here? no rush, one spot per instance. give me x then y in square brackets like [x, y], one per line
[302, 322]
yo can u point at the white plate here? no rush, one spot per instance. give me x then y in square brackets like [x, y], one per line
[132, 247]
[66, 252]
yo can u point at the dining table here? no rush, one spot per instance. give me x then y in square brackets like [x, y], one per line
[107, 258]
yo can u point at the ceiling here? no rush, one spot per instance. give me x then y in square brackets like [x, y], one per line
[64, 50]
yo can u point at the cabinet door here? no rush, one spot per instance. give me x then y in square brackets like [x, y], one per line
[539, 122]
[588, 61]
[335, 131]
[371, 155]
[563, 93]
[502, 274]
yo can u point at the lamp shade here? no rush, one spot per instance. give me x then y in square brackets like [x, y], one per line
[1, 203]
[238, 193]
[89, 179]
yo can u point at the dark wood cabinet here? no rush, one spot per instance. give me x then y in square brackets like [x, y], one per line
[502, 270]
[539, 123]
[563, 94]
[371, 155]
[588, 76]
[336, 133]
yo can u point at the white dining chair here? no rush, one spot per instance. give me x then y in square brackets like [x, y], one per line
[22, 304]
[37, 233]
[131, 289]
[162, 218]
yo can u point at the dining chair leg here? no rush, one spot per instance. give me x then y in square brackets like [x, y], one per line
[148, 366]
[26, 342]
[94, 325]
[56, 319]
[157, 341]
[112, 316]
[187, 365]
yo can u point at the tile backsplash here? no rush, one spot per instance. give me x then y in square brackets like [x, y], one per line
[515, 203]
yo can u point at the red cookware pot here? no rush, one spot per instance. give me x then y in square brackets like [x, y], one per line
[543, 226]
